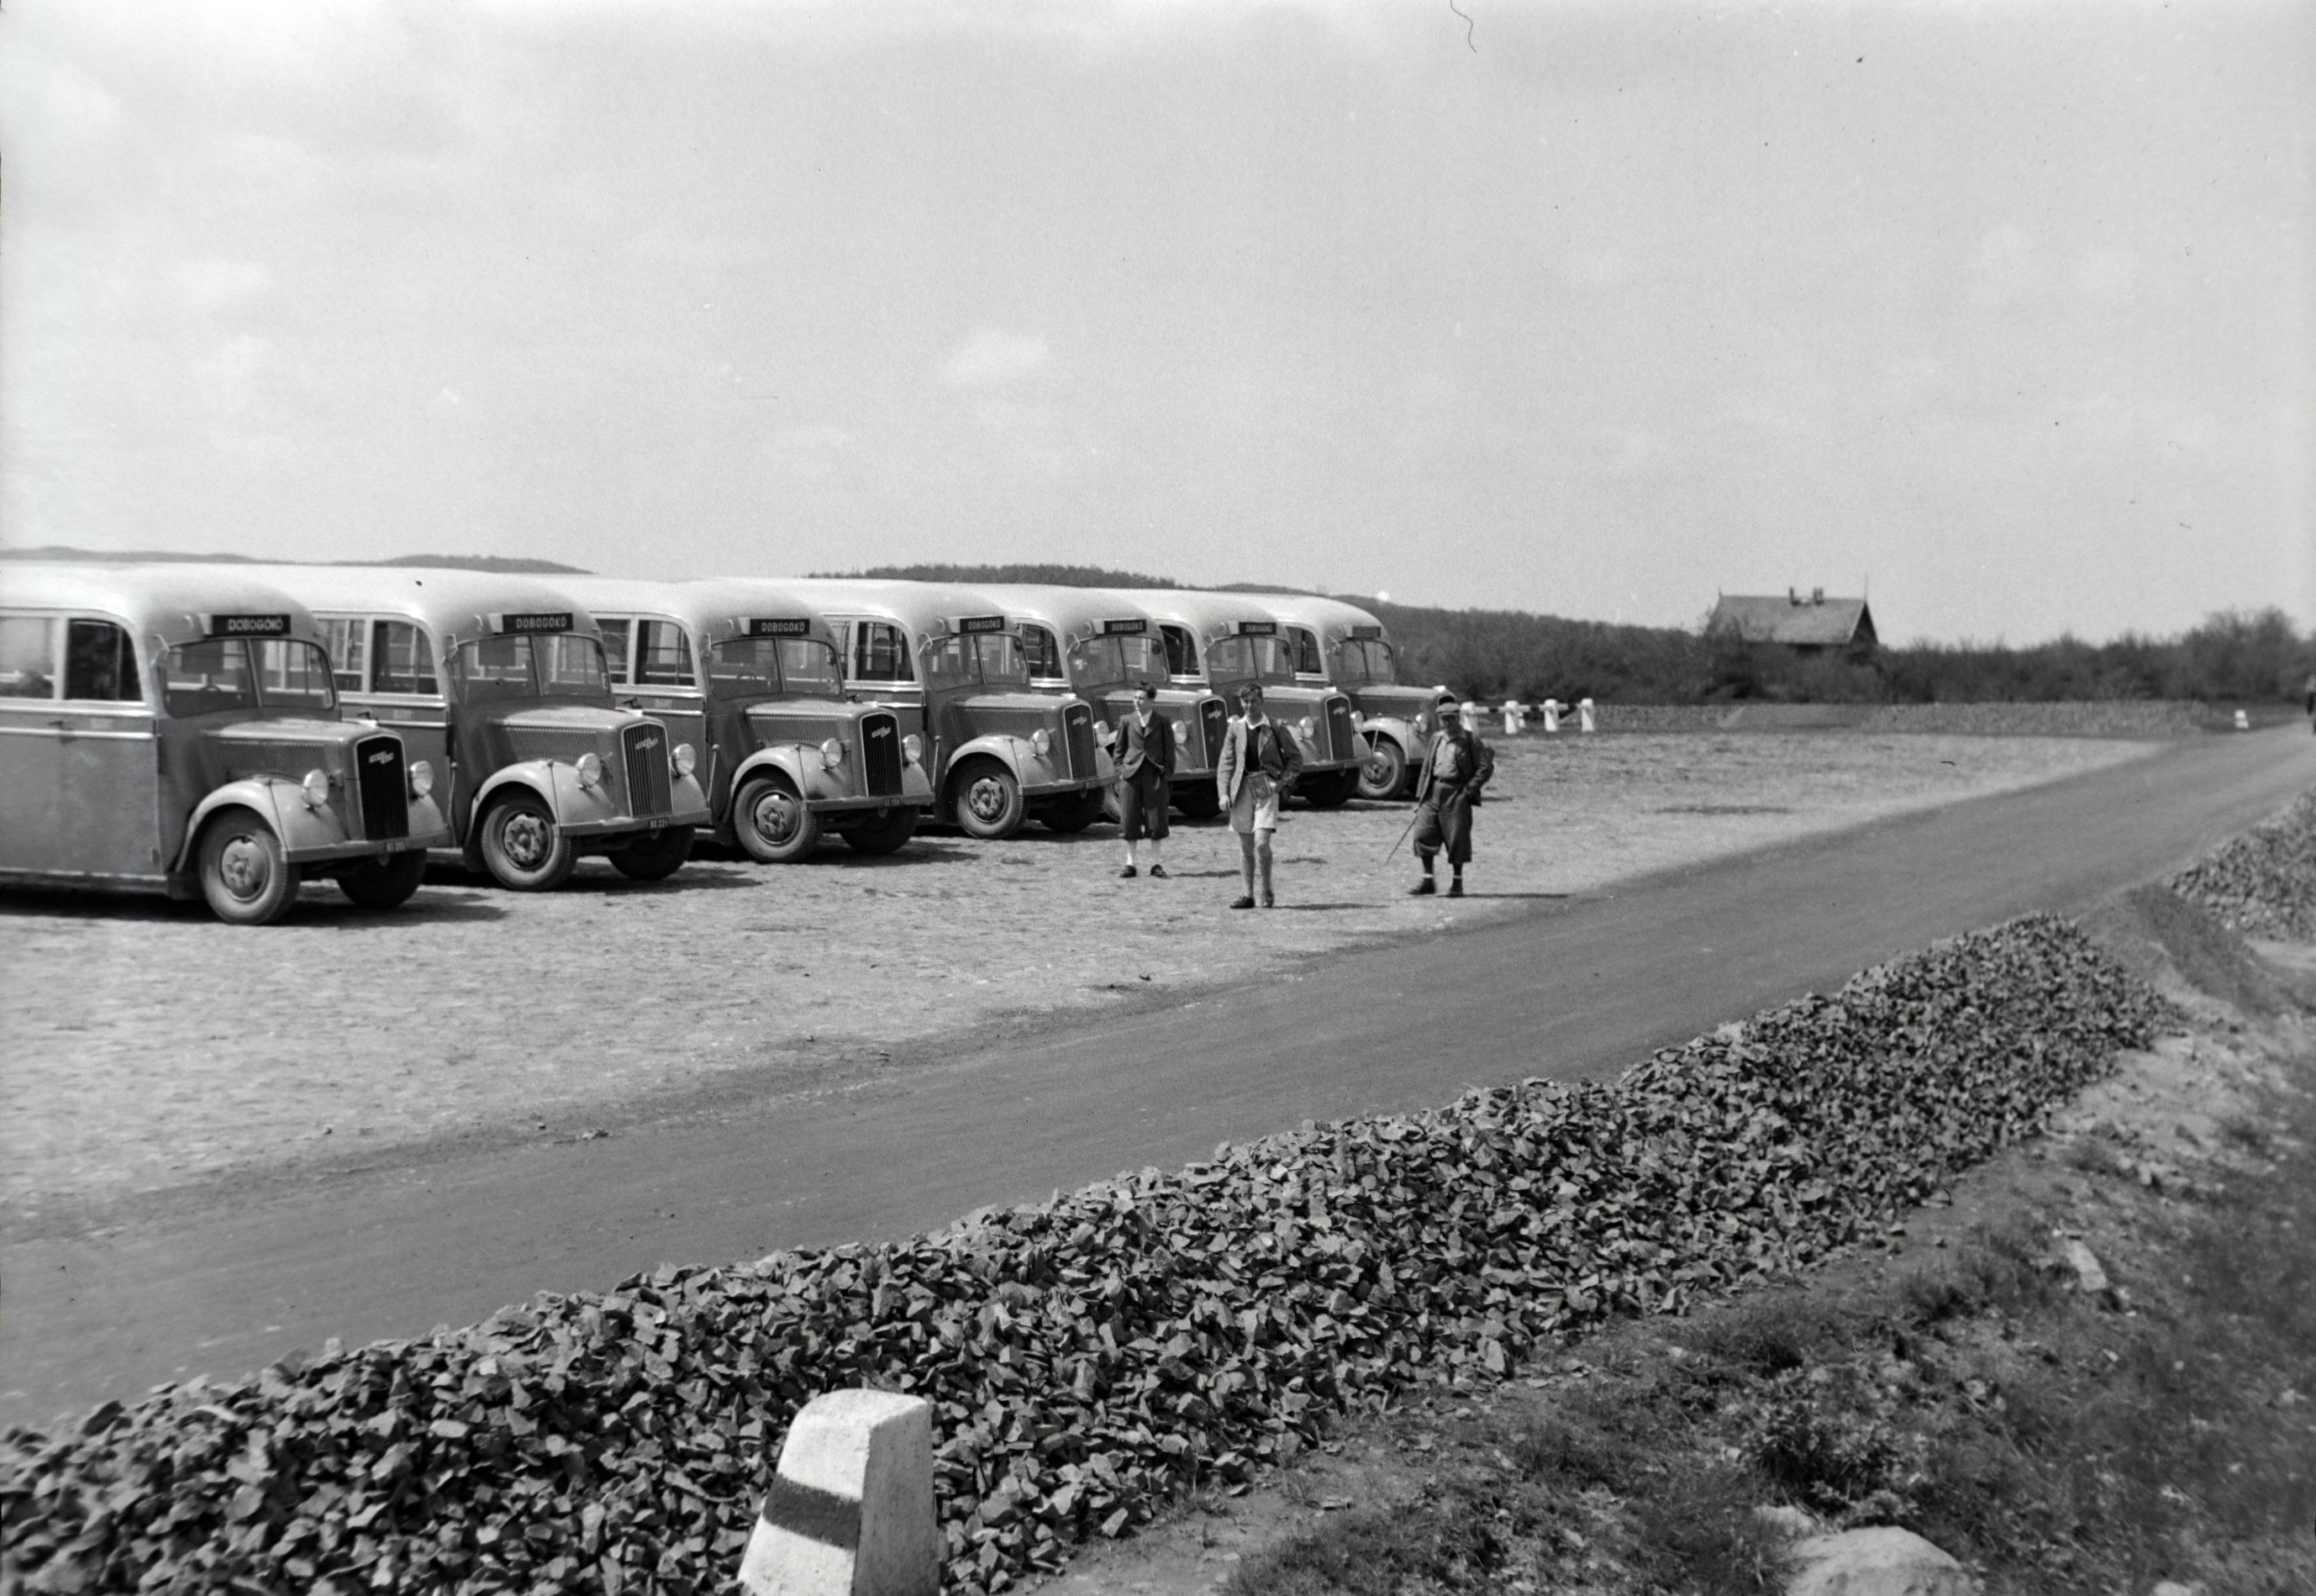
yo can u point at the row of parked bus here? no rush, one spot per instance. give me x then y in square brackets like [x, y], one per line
[229, 731]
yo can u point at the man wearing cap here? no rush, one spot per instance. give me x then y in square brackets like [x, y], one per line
[1259, 762]
[1455, 767]
[1145, 751]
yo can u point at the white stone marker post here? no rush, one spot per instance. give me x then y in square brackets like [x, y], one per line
[1550, 708]
[1584, 714]
[850, 1509]
[1514, 718]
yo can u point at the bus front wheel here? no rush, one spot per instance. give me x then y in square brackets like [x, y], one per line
[1384, 771]
[383, 883]
[884, 834]
[654, 857]
[522, 846]
[990, 805]
[771, 821]
[244, 876]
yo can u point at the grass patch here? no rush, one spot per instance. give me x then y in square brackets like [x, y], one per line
[2055, 1441]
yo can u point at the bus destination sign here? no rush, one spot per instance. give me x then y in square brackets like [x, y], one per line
[1367, 631]
[544, 621]
[779, 626]
[247, 625]
[1257, 629]
[982, 624]
[1133, 628]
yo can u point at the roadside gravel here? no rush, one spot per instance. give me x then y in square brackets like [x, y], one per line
[147, 1047]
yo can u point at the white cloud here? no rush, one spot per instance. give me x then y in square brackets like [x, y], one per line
[213, 283]
[990, 357]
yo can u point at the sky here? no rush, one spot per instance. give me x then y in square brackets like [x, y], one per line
[2004, 315]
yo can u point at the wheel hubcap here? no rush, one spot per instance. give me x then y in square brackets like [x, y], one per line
[527, 839]
[775, 818]
[244, 868]
[986, 798]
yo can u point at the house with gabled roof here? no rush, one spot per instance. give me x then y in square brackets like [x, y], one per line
[1808, 624]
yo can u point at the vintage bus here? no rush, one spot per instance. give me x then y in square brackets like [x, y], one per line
[1101, 646]
[998, 754]
[1340, 645]
[501, 681]
[745, 672]
[1224, 641]
[174, 727]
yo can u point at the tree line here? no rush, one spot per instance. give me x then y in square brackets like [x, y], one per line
[2233, 657]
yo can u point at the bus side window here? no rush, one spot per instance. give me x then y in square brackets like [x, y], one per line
[1043, 655]
[879, 652]
[343, 641]
[1181, 653]
[99, 663]
[662, 654]
[615, 647]
[1306, 652]
[405, 663]
[27, 657]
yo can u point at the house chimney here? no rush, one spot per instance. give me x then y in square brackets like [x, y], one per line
[1817, 596]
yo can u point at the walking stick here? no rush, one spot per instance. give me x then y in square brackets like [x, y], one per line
[1403, 835]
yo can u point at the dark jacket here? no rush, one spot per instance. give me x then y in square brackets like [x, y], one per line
[1138, 749]
[1479, 767]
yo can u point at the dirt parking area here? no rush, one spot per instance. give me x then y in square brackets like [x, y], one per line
[147, 1047]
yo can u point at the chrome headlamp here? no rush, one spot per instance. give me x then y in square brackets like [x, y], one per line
[1306, 726]
[683, 759]
[832, 753]
[912, 748]
[316, 787]
[1041, 743]
[591, 769]
[421, 778]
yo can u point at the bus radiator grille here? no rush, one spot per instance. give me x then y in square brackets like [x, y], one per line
[880, 754]
[648, 785]
[384, 791]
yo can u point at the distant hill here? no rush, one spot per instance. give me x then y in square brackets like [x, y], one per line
[968, 575]
[493, 563]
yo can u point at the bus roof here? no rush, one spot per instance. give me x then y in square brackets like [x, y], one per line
[455, 604]
[1207, 614]
[1332, 618]
[1074, 611]
[925, 608]
[176, 602]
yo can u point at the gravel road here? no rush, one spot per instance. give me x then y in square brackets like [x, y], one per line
[148, 1047]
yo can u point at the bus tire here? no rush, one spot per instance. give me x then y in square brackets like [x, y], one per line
[1330, 790]
[383, 883]
[883, 833]
[1199, 800]
[244, 876]
[523, 848]
[654, 857]
[1075, 813]
[771, 821]
[989, 802]
[1384, 772]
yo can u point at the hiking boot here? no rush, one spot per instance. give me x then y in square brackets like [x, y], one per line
[1456, 887]
[1128, 873]
[1158, 872]
[1268, 901]
[1423, 888]
[1242, 903]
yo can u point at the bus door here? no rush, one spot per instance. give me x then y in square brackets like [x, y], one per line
[652, 670]
[81, 746]
[387, 670]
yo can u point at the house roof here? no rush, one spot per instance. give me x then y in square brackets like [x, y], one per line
[1787, 618]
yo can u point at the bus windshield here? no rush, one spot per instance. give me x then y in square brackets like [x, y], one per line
[547, 665]
[756, 667]
[1365, 660]
[987, 658]
[1113, 661]
[248, 673]
[1256, 659]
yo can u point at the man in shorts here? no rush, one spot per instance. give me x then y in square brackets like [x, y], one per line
[1455, 767]
[1259, 762]
[1146, 757]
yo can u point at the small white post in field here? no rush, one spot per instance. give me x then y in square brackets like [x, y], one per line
[1514, 717]
[850, 1509]
[1550, 708]
[1584, 716]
